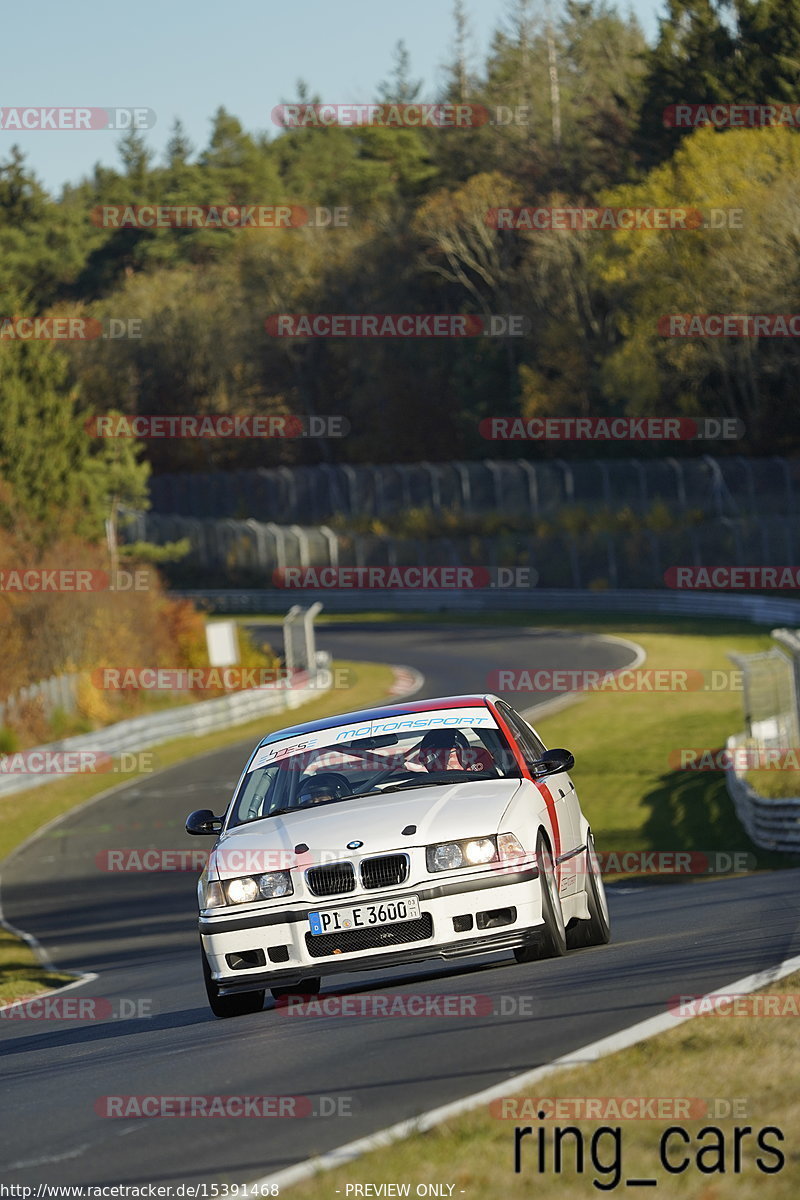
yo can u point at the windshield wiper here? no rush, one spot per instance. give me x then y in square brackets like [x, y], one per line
[399, 787]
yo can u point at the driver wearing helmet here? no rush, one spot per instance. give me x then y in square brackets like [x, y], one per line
[449, 750]
[319, 789]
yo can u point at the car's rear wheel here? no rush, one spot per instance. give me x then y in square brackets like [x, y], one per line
[596, 931]
[306, 987]
[237, 1005]
[552, 939]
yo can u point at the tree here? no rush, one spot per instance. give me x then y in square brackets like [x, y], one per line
[749, 269]
[692, 63]
[400, 88]
[60, 483]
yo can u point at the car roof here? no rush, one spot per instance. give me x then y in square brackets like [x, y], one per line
[379, 714]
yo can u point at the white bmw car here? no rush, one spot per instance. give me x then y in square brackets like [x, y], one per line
[437, 829]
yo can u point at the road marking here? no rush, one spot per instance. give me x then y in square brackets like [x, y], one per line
[624, 1038]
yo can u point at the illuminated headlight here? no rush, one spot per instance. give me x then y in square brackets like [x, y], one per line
[242, 891]
[448, 856]
[249, 888]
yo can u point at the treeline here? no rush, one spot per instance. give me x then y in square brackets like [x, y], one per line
[419, 239]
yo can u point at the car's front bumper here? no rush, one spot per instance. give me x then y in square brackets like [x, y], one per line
[504, 907]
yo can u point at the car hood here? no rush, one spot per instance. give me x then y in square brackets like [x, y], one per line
[443, 813]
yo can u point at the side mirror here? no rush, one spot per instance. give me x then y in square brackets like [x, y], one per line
[553, 761]
[203, 821]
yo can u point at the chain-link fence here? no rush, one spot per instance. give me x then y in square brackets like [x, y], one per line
[731, 486]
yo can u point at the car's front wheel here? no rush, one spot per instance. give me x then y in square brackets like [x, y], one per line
[596, 931]
[237, 1005]
[552, 940]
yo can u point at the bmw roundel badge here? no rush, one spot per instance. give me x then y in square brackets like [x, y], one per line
[354, 845]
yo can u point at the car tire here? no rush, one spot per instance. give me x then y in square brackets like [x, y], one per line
[306, 987]
[596, 931]
[552, 940]
[237, 1005]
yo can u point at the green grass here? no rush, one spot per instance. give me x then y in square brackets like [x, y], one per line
[775, 785]
[631, 794]
[20, 973]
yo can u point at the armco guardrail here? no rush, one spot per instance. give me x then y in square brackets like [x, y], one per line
[762, 610]
[140, 733]
[771, 823]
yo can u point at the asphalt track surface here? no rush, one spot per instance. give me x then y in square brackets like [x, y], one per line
[138, 933]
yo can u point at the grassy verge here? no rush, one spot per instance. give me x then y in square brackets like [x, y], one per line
[20, 972]
[25, 812]
[627, 751]
[705, 1060]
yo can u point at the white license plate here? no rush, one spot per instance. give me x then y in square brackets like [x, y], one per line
[364, 916]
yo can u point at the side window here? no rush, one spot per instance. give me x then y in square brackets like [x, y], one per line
[538, 746]
[532, 748]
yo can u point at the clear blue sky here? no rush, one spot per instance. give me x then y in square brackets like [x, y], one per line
[185, 59]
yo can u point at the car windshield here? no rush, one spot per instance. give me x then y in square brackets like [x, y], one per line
[333, 766]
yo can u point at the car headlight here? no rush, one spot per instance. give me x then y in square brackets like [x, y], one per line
[449, 856]
[248, 888]
[274, 884]
[509, 847]
[213, 895]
